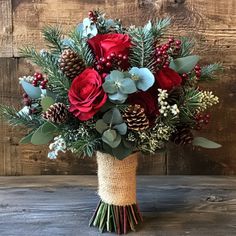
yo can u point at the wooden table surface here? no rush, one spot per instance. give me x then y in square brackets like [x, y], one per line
[171, 205]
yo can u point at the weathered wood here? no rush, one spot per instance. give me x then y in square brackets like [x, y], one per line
[6, 28]
[56, 205]
[212, 23]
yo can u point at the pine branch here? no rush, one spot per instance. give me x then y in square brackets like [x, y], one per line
[15, 118]
[53, 35]
[187, 45]
[82, 48]
[208, 72]
[160, 27]
[56, 79]
[141, 54]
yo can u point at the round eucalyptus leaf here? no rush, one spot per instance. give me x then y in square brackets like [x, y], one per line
[101, 126]
[121, 128]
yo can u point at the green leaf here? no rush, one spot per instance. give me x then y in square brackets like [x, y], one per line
[113, 116]
[39, 137]
[46, 102]
[184, 64]
[101, 126]
[110, 135]
[121, 128]
[27, 138]
[121, 151]
[111, 138]
[205, 143]
[48, 127]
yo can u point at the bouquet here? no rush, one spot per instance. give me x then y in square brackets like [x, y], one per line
[114, 91]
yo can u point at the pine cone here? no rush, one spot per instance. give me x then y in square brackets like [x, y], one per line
[136, 118]
[182, 136]
[70, 63]
[56, 113]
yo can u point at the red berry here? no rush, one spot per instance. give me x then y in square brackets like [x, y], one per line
[178, 42]
[108, 58]
[206, 121]
[159, 53]
[178, 47]
[39, 76]
[120, 56]
[112, 55]
[103, 60]
[99, 67]
[90, 14]
[108, 64]
[185, 75]
[165, 56]
[197, 68]
[125, 57]
[198, 73]
[35, 74]
[165, 66]
[171, 40]
[167, 63]
[208, 116]
[159, 60]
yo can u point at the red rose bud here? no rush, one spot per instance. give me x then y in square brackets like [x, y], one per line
[167, 78]
[86, 94]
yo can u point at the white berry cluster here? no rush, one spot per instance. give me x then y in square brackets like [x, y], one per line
[59, 144]
[165, 108]
[28, 79]
[207, 99]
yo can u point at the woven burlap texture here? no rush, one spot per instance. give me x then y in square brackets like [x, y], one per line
[117, 179]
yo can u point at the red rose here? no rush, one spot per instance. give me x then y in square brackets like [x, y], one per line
[147, 101]
[86, 95]
[105, 44]
[167, 78]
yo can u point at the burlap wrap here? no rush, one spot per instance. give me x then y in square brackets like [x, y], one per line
[117, 179]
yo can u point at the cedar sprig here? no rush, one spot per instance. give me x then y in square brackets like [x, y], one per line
[16, 118]
[80, 46]
[187, 45]
[53, 35]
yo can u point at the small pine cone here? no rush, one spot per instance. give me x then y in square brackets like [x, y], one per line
[70, 63]
[182, 136]
[136, 118]
[56, 113]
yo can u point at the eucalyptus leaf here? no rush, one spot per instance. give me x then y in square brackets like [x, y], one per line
[205, 143]
[120, 152]
[127, 86]
[110, 135]
[121, 128]
[184, 64]
[27, 138]
[39, 137]
[113, 116]
[33, 92]
[112, 143]
[48, 127]
[109, 87]
[46, 102]
[101, 126]
[118, 97]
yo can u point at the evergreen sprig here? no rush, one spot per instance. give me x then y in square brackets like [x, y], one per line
[159, 28]
[82, 48]
[53, 35]
[142, 52]
[56, 79]
[187, 45]
[15, 117]
[208, 72]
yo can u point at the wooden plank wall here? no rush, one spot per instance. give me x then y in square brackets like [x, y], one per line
[212, 23]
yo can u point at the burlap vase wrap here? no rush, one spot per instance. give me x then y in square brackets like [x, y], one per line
[117, 179]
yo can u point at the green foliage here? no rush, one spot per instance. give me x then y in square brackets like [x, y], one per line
[184, 64]
[187, 45]
[15, 118]
[53, 35]
[46, 102]
[80, 46]
[56, 79]
[205, 143]
[208, 72]
[142, 53]
[159, 28]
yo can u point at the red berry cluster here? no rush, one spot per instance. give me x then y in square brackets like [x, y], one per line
[92, 16]
[172, 47]
[197, 70]
[26, 100]
[112, 61]
[201, 119]
[39, 81]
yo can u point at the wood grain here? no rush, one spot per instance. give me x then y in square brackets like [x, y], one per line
[212, 23]
[56, 205]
